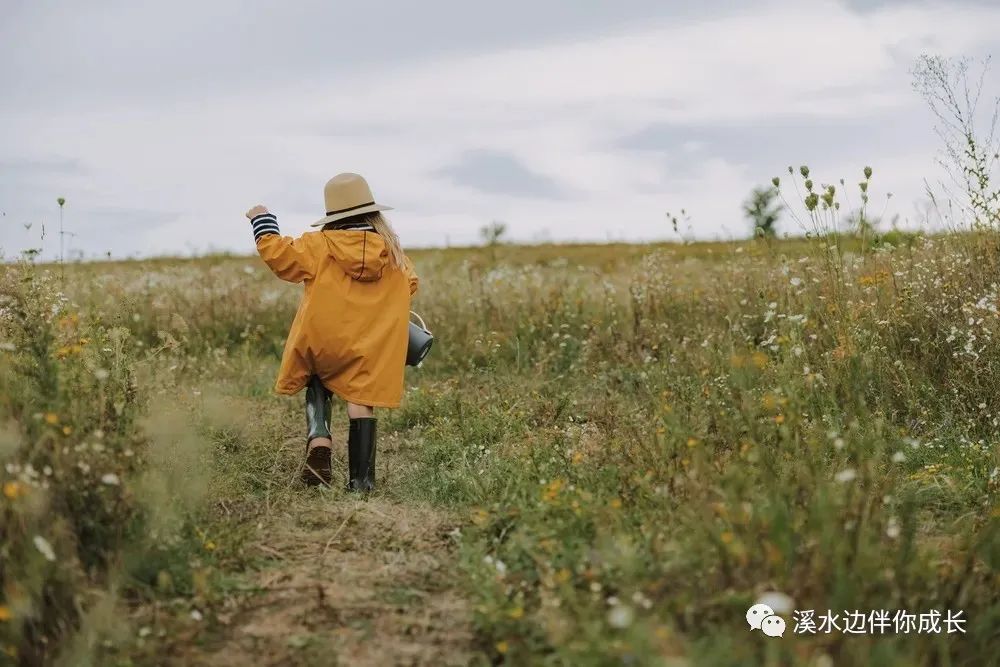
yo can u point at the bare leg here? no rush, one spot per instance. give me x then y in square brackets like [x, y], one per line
[355, 411]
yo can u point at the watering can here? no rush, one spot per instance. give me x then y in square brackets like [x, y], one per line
[420, 341]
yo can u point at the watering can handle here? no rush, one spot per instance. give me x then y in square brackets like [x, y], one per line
[422, 325]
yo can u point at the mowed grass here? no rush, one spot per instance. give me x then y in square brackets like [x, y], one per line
[642, 439]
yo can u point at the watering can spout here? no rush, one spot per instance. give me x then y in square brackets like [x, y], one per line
[419, 343]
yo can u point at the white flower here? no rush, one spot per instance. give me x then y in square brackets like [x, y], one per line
[196, 615]
[620, 616]
[779, 602]
[45, 548]
[846, 475]
[795, 281]
[110, 479]
[892, 530]
[898, 457]
[101, 374]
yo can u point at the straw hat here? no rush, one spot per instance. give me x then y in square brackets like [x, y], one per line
[347, 195]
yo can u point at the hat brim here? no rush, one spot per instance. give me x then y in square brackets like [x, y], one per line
[371, 208]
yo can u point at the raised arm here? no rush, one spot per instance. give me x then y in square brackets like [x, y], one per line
[288, 258]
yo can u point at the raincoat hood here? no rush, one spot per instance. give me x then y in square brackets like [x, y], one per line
[362, 255]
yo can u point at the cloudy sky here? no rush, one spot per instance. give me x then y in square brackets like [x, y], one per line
[568, 120]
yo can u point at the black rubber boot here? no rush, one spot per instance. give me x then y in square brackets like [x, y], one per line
[318, 468]
[361, 454]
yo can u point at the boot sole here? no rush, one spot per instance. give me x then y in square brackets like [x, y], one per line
[318, 467]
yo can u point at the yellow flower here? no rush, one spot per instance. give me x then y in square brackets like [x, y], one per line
[577, 457]
[552, 489]
[727, 537]
[5, 614]
[480, 516]
[779, 419]
[210, 546]
[501, 647]
[616, 503]
[692, 442]
[563, 575]
[759, 359]
[516, 613]
[12, 490]
[67, 430]
[51, 418]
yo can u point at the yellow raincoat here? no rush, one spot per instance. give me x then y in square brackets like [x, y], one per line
[352, 324]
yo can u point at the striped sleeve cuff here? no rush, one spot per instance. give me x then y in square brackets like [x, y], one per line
[263, 225]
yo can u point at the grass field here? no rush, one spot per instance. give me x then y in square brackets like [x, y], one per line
[611, 453]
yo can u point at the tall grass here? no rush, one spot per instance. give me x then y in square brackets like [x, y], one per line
[647, 438]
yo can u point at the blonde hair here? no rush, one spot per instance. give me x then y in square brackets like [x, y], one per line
[381, 225]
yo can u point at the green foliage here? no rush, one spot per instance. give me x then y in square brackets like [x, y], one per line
[643, 438]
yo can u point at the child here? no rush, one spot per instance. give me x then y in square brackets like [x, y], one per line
[350, 333]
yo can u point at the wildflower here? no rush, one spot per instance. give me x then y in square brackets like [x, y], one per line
[898, 457]
[210, 546]
[516, 613]
[892, 530]
[552, 489]
[44, 548]
[846, 475]
[779, 602]
[101, 374]
[51, 418]
[616, 503]
[727, 537]
[12, 490]
[620, 616]
[196, 615]
[779, 419]
[5, 614]
[110, 479]
[692, 442]
[501, 647]
[67, 430]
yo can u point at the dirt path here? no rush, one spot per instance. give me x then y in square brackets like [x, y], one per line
[352, 582]
[341, 580]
